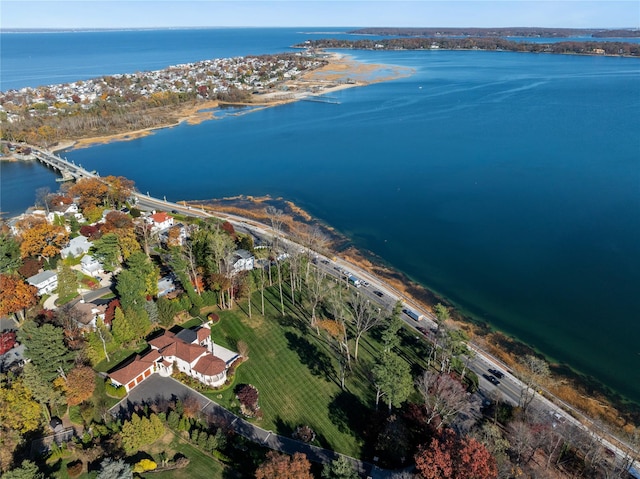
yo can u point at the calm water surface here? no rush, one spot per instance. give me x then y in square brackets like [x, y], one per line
[508, 182]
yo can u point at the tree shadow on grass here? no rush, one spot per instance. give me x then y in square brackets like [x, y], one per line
[289, 321]
[286, 429]
[349, 414]
[318, 362]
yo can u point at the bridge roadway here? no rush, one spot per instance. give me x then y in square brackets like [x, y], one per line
[64, 167]
[511, 386]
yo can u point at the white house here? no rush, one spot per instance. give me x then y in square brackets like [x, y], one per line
[160, 221]
[76, 247]
[241, 260]
[90, 265]
[190, 351]
[46, 282]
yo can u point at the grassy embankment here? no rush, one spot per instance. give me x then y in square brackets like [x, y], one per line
[296, 372]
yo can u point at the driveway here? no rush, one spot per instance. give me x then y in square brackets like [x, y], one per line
[156, 387]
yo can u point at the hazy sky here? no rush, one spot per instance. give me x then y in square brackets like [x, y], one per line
[312, 13]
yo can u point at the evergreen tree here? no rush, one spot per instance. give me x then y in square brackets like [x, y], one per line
[44, 346]
[173, 420]
[151, 308]
[392, 378]
[28, 470]
[167, 310]
[339, 468]
[107, 251]
[139, 264]
[212, 443]
[121, 328]
[131, 290]
[67, 283]
[115, 469]
[9, 254]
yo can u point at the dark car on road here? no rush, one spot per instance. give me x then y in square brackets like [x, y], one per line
[379, 294]
[496, 373]
[491, 379]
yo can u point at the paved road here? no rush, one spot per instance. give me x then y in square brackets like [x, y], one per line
[510, 387]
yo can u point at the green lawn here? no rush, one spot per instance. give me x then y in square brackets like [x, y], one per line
[200, 464]
[297, 375]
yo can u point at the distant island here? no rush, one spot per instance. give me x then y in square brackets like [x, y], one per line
[527, 32]
[486, 39]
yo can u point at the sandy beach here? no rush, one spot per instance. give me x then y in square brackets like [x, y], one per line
[341, 72]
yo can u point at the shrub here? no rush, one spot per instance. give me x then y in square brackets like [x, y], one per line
[304, 434]
[248, 397]
[194, 311]
[115, 391]
[74, 469]
[144, 465]
[209, 298]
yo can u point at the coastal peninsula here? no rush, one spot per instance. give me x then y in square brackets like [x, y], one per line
[128, 106]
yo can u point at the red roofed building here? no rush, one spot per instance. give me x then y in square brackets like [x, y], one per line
[136, 371]
[161, 221]
[190, 351]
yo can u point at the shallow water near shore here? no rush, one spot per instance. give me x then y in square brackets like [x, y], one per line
[510, 183]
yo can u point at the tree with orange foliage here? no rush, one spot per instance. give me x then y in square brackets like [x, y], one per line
[43, 240]
[451, 457]
[116, 220]
[16, 296]
[91, 191]
[79, 385]
[282, 466]
[120, 189]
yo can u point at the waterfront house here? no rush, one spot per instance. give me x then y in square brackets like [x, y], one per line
[241, 260]
[46, 282]
[160, 221]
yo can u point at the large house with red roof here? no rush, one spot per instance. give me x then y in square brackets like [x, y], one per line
[190, 351]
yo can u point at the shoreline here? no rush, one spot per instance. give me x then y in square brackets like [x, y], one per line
[594, 399]
[340, 73]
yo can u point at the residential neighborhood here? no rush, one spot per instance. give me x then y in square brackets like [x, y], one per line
[207, 79]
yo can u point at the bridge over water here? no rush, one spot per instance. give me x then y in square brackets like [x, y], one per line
[68, 169]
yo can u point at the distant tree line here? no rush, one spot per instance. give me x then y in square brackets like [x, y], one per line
[500, 32]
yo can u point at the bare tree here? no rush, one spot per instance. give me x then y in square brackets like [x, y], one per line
[275, 215]
[444, 397]
[534, 372]
[317, 288]
[364, 317]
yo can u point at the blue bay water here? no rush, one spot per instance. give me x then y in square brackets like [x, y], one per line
[510, 183]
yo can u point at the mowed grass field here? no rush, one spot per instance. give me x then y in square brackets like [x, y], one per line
[297, 374]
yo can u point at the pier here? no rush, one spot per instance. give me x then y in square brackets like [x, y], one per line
[321, 99]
